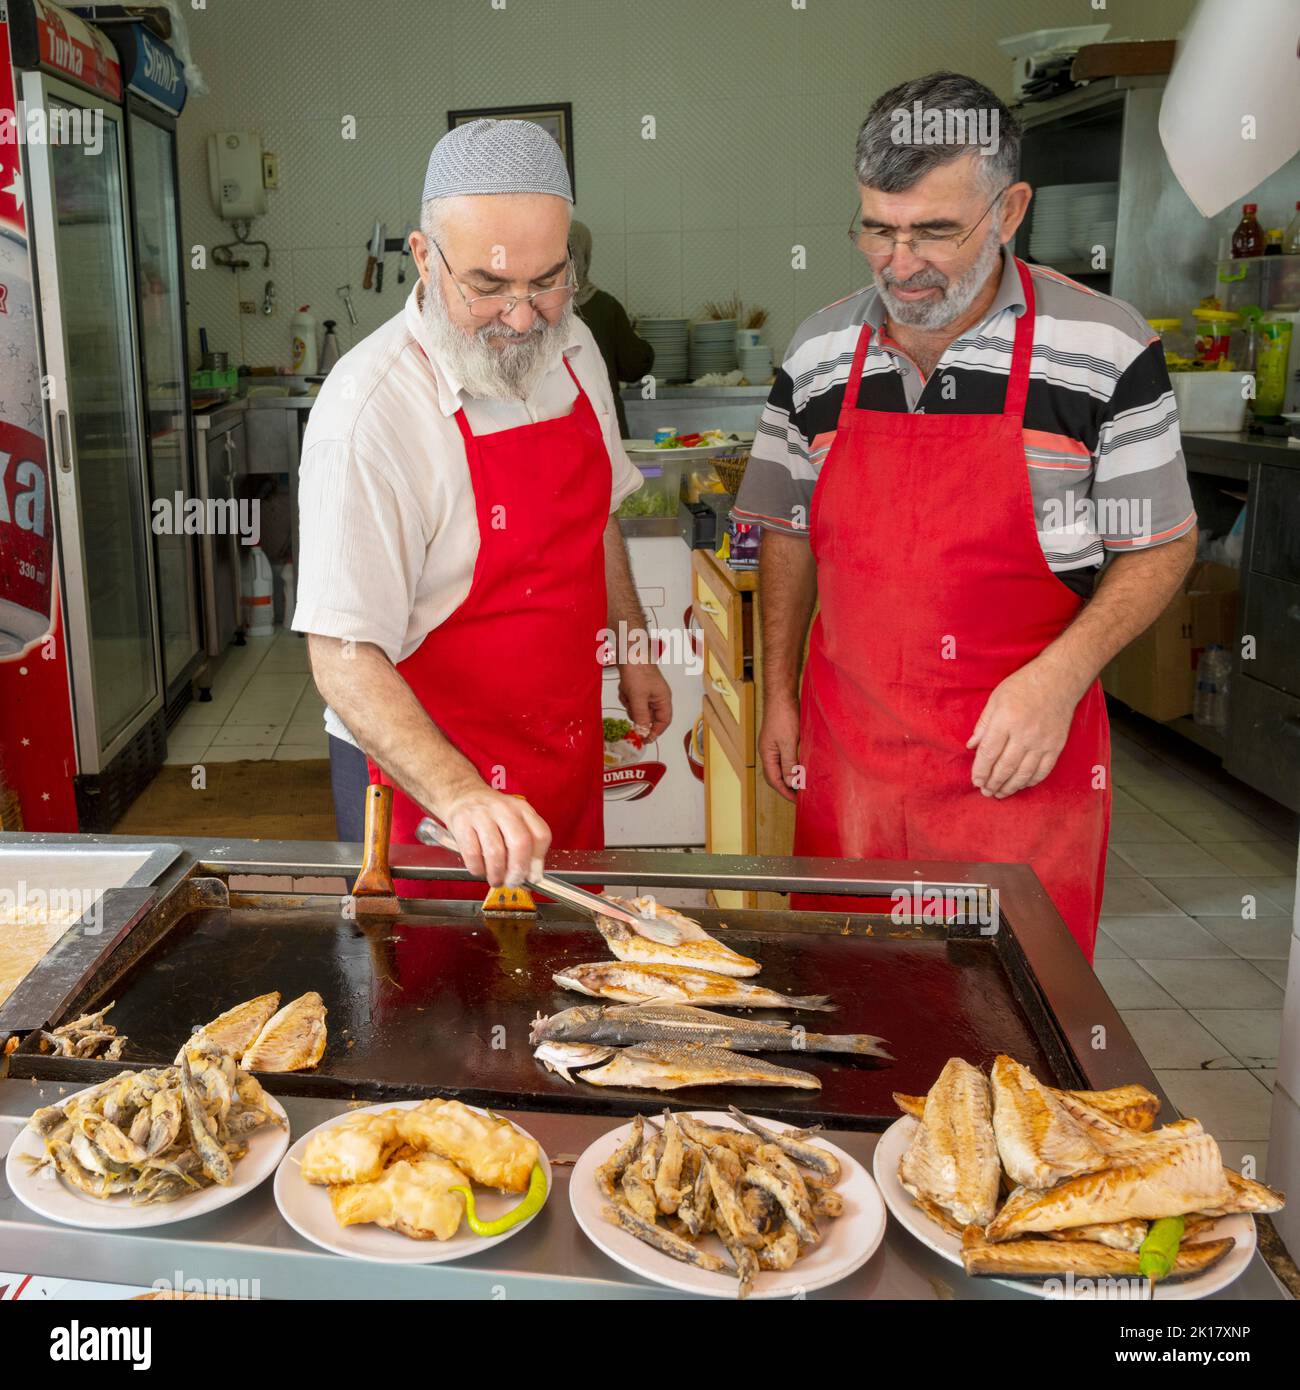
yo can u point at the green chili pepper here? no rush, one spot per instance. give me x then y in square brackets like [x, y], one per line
[1160, 1249]
[531, 1204]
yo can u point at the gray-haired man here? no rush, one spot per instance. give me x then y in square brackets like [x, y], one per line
[459, 562]
[962, 443]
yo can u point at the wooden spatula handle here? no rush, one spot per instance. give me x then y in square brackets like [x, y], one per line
[376, 876]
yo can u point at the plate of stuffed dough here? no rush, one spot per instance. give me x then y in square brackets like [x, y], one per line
[413, 1182]
[1058, 1192]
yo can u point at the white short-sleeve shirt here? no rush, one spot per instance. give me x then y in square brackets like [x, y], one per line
[388, 532]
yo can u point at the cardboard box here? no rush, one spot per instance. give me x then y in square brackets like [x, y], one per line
[1156, 673]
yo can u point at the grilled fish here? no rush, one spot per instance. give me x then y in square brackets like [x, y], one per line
[1147, 1184]
[1131, 1107]
[953, 1157]
[560, 1056]
[1039, 1141]
[292, 1039]
[671, 1066]
[1045, 1259]
[236, 1029]
[697, 949]
[1247, 1196]
[633, 1023]
[1119, 1235]
[631, 983]
[659, 923]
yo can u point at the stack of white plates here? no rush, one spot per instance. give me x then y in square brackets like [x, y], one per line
[1067, 214]
[668, 338]
[756, 364]
[713, 346]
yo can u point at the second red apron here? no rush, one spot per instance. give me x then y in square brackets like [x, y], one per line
[934, 588]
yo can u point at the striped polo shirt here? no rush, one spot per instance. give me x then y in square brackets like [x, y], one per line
[1101, 434]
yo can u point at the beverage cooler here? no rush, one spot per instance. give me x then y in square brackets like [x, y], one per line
[82, 680]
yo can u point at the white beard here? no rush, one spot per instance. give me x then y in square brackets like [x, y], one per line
[509, 372]
[957, 295]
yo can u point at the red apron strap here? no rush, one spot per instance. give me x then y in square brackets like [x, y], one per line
[1023, 351]
[850, 401]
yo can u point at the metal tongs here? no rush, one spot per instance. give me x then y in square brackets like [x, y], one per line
[429, 832]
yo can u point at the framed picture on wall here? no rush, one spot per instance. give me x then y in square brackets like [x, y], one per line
[554, 117]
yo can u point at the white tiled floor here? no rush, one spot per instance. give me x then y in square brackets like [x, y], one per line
[1195, 931]
[264, 706]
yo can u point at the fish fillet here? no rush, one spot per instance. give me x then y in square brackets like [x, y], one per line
[1047, 1259]
[1162, 1180]
[632, 983]
[292, 1039]
[706, 954]
[1119, 1235]
[953, 1157]
[1247, 1195]
[236, 1029]
[1131, 1107]
[1115, 1138]
[1039, 1141]
[671, 1066]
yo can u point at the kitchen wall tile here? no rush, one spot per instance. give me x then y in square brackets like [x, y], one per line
[654, 274]
[709, 268]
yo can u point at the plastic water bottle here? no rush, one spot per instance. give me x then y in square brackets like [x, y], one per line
[1213, 674]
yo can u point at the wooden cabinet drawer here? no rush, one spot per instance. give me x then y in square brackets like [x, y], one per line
[733, 702]
[1272, 618]
[728, 800]
[1275, 508]
[724, 614]
[1264, 740]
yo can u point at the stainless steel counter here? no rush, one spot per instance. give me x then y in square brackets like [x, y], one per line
[552, 1259]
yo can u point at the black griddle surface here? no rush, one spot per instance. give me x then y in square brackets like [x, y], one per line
[443, 1007]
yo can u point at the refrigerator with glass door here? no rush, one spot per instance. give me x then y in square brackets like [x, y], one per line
[81, 681]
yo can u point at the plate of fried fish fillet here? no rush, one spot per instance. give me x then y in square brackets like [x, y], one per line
[1053, 1191]
[727, 1205]
[380, 1182]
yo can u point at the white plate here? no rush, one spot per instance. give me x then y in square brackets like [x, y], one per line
[848, 1241]
[646, 451]
[46, 1193]
[306, 1207]
[893, 1144]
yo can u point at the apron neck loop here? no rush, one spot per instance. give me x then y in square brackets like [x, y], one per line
[1022, 352]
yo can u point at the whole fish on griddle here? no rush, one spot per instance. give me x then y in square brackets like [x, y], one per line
[671, 1066]
[642, 984]
[694, 946]
[623, 1024]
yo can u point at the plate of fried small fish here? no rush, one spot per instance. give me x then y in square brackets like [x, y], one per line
[150, 1147]
[380, 1183]
[1053, 1191]
[727, 1205]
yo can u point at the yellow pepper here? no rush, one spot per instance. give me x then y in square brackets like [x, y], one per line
[531, 1204]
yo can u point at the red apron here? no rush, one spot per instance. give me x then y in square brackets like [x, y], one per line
[513, 677]
[933, 589]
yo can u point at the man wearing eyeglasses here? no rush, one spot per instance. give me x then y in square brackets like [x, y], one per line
[944, 462]
[459, 560]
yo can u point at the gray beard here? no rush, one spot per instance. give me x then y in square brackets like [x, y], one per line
[957, 295]
[511, 371]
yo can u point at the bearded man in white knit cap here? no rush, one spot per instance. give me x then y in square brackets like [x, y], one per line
[459, 560]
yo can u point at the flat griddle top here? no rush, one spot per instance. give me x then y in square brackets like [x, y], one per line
[436, 1005]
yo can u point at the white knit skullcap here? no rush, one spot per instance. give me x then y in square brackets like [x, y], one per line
[497, 157]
